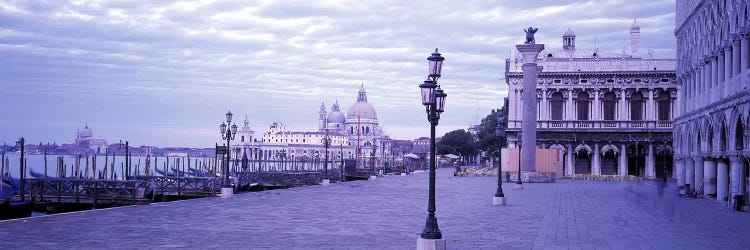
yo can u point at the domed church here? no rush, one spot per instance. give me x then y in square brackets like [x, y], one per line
[360, 125]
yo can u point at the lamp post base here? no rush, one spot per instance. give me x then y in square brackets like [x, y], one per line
[429, 244]
[325, 182]
[227, 192]
[518, 186]
[498, 201]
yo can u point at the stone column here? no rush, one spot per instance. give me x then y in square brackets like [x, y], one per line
[745, 49]
[650, 170]
[716, 91]
[595, 107]
[680, 174]
[596, 168]
[649, 105]
[698, 162]
[735, 177]
[689, 175]
[722, 180]
[622, 168]
[544, 113]
[736, 55]
[699, 77]
[569, 160]
[569, 115]
[685, 93]
[725, 89]
[528, 120]
[727, 49]
[709, 176]
[622, 114]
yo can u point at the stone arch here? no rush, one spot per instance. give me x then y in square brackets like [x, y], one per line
[739, 135]
[708, 141]
[583, 147]
[610, 147]
[582, 154]
[721, 132]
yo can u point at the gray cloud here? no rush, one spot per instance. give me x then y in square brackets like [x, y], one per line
[136, 69]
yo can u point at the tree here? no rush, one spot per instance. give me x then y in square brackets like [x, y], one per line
[458, 142]
[489, 141]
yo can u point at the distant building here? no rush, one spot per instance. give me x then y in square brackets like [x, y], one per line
[358, 132]
[608, 113]
[85, 139]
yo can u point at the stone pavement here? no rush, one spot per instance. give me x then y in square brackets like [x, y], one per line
[389, 213]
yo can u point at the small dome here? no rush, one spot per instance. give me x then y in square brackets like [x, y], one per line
[569, 33]
[336, 117]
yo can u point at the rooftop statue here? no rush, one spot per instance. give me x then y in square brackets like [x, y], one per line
[530, 35]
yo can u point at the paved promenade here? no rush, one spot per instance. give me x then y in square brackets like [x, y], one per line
[389, 213]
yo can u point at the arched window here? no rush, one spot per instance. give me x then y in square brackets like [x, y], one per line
[582, 101]
[664, 106]
[557, 103]
[351, 130]
[609, 105]
[636, 106]
[367, 130]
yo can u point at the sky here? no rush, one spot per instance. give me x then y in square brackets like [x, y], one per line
[164, 73]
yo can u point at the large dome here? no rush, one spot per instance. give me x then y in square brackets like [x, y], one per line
[362, 108]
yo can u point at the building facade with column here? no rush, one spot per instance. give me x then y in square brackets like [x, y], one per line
[710, 135]
[607, 113]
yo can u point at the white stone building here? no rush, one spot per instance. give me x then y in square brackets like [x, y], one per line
[713, 56]
[359, 131]
[608, 113]
[85, 139]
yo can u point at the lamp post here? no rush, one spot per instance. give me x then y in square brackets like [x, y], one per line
[125, 145]
[20, 143]
[519, 184]
[433, 98]
[228, 132]
[499, 198]
[326, 144]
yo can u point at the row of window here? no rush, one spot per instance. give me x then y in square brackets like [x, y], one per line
[609, 106]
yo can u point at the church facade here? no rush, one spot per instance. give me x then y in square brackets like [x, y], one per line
[713, 57]
[607, 113]
[356, 135]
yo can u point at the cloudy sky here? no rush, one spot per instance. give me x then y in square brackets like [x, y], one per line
[164, 72]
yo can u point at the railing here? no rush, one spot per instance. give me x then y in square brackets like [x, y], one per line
[581, 124]
[86, 190]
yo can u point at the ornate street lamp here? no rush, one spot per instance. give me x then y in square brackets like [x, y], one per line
[433, 98]
[499, 198]
[125, 145]
[228, 132]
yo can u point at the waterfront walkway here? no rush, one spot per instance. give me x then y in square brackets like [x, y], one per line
[389, 213]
